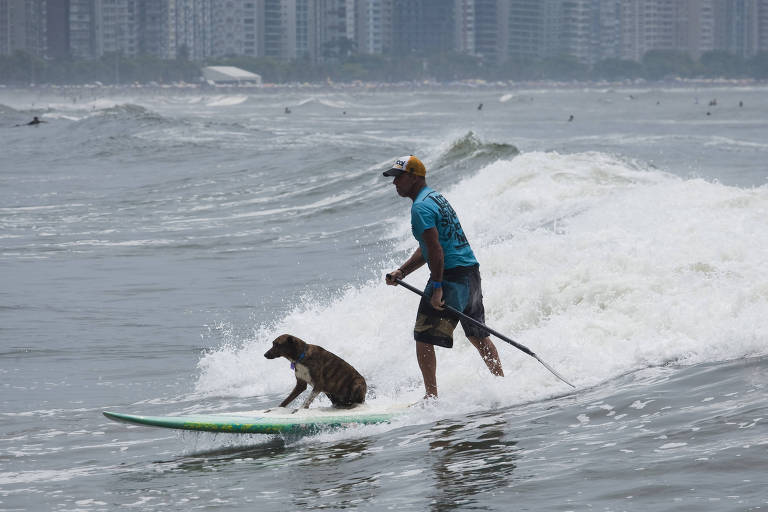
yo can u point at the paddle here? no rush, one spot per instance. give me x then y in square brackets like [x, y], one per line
[483, 326]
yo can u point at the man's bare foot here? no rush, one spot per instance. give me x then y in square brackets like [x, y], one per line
[426, 400]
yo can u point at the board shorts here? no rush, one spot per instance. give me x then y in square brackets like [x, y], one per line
[461, 291]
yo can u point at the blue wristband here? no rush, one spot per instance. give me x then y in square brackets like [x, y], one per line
[437, 284]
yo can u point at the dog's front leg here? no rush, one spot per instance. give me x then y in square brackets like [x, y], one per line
[308, 401]
[299, 389]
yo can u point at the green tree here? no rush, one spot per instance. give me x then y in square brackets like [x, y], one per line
[616, 69]
[719, 63]
[454, 66]
[757, 66]
[519, 68]
[562, 67]
[21, 68]
[659, 64]
[339, 48]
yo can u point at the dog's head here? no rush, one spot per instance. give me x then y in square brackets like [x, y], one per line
[287, 346]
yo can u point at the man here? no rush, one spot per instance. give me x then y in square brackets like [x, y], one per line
[454, 273]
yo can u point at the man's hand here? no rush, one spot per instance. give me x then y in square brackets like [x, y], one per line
[436, 301]
[392, 276]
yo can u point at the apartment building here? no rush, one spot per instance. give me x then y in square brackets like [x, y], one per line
[23, 25]
[496, 30]
[373, 26]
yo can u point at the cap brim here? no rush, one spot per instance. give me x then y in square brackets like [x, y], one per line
[393, 172]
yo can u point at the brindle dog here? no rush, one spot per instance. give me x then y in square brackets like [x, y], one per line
[324, 371]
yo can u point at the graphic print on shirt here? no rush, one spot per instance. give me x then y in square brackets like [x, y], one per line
[449, 222]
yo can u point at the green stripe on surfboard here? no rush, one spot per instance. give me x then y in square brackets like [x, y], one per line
[261, 422]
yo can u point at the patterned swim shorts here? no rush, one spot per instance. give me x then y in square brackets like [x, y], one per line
[462, 291]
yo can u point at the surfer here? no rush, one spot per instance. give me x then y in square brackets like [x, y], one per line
[35, 120]
[454, 273]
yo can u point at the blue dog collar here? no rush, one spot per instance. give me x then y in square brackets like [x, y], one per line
[301, 357]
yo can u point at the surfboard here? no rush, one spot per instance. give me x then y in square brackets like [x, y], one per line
[273, 421]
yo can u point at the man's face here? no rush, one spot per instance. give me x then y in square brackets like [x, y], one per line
[404, 184]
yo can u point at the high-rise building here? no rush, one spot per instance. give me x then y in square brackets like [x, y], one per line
[605, 30]
[762, 26]
[116, 27]
[573, 25]
[428, 27]
[334, 29]
[492, 30]
[686, 26]
[273, 28]
[647, 25]
[527, 28]
[464, 26]
[153, 21]
[373, 26]
[496, 30]
[694, 27]
[57, 29]
[82, 29]
[234, 26]
[195, 37]
[302, 40]
[288, 29]
[23, 27]
[738, 26]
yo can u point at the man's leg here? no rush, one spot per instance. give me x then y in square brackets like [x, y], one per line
[425, 355]
[489, 354]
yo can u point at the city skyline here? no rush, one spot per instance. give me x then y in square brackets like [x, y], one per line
[318, 30]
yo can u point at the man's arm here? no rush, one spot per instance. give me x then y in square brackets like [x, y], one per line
[436, 264]
[435, 251]
[414, 262]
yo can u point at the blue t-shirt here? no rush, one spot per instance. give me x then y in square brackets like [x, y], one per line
[432, 210]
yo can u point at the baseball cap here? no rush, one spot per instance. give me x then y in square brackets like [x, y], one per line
[409, 164]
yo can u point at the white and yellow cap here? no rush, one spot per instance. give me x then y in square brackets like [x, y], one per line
[409, 164]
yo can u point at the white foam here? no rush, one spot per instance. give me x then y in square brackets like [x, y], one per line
[227, 100]
[598, 265]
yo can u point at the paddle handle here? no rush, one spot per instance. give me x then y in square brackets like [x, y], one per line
[477, 323]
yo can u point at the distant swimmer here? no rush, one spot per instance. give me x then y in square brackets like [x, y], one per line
[741, 104]
[287, 110]
[570, 118]
[713, 103]
[709, 113]
[34, 122]
[480, 107]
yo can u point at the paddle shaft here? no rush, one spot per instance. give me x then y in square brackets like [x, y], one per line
[485, 327]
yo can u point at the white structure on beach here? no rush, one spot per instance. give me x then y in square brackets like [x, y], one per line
[230, 74]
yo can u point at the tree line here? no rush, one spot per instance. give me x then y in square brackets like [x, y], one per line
[22, 68]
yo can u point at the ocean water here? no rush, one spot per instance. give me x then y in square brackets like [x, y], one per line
[154, 242]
